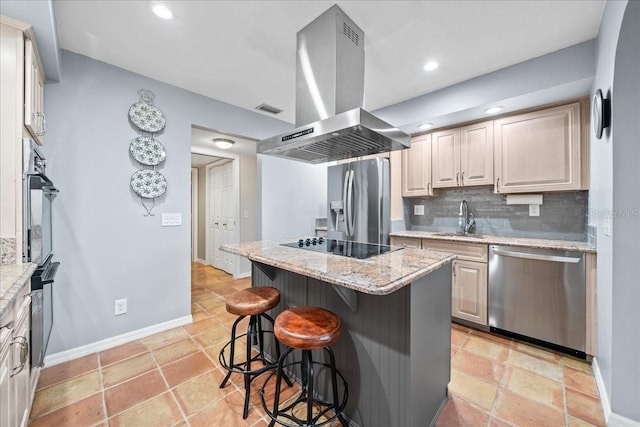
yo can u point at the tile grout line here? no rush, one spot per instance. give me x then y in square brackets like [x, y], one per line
[102, 391]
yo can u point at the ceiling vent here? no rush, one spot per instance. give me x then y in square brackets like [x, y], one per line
[268, 109]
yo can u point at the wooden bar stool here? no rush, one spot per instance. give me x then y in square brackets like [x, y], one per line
[253, 302]
[306, 329]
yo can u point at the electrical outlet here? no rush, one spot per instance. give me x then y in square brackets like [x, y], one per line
[120, 307]
[418, 209]
[534, 210]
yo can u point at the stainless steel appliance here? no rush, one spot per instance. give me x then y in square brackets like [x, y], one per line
[38, 195]
[358, 201]
[346, 248]
[330, 121]
[538, 295]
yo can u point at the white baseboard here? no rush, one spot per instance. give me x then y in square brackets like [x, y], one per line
[611, 418]
[602, 390]
[201, 261]
[242, 275]
[74, 353]
[616, 420]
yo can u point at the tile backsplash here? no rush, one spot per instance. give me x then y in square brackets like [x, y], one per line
[562, 215]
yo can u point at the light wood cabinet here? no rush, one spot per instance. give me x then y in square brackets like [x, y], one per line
[416, 168]
[540, 151]
[469, 290]
[34, 118]
[6, 363]
[463, 157]
[20, 64]
[476, 154]
[15, 362]
[445, 149]
[406, 242]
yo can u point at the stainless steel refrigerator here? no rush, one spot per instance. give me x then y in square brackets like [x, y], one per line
[358, 201]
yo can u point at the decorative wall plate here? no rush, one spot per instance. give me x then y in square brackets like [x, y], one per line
[600, 111]
[146, 117]
[147, 150]
[148, 183]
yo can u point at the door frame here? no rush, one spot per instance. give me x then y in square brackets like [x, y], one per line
[235, 158]
[194, 214]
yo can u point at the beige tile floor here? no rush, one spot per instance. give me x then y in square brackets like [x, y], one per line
[172, 378]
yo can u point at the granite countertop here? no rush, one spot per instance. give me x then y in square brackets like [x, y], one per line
[13, 277]
[378, 275]
[488, 239]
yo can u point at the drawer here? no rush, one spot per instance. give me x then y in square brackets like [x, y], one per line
[465, 251]
[406, 242]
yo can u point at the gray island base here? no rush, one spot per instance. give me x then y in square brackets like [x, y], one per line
[394, 350]
[395, 309]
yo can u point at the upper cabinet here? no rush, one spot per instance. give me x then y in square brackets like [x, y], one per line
[416, 167]
[463, 157]
[541, 151]
[34, 118]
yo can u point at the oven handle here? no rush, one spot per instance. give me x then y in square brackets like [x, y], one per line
[45, 183]
[537, 257]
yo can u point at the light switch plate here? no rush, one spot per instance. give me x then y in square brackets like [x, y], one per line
[607, 225]
[245, 214]
[418, 209]
[534, 210]
[171, 219]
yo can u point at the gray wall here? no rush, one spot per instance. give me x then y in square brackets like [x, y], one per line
[601, 186]
[108, 249]
[625, 391]
[292, 196]
[562, 215]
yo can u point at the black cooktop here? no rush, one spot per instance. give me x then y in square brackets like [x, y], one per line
[346, 248]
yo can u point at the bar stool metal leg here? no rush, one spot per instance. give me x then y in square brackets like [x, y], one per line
[232, 350]
[334, 386]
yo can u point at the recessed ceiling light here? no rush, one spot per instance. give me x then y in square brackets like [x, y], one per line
[493, 110]
[426, 126]
[430, 66]
[223, 143]
[162, 11]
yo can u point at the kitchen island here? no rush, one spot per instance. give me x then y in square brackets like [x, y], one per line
[395, 309]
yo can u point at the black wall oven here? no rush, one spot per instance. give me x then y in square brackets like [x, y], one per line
[38, 195]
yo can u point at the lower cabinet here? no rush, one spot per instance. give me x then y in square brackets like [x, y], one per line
[6, 394]
[15, 362]
[469, 288]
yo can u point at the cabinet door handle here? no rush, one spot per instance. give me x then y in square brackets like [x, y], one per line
[24, 354]
[457, 178]
[9, 325]
[428, 187]
[44, 124]
[462, 178]
[498, 185]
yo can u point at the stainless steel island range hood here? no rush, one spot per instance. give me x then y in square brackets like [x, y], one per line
[330, 121]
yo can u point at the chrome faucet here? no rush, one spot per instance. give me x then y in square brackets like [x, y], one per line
[466, 221]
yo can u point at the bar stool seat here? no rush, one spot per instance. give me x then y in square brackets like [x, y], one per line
[253, 302]
[307, 328]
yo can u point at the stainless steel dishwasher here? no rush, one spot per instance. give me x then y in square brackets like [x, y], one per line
[538, 295]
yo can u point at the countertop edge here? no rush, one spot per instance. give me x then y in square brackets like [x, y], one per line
[488, 239]
[18, 276]
[392, 286]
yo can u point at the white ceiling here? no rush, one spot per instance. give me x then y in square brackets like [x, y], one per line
[243, 52]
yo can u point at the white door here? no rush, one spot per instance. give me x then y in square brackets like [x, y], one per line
[194, 214]
[222, 221]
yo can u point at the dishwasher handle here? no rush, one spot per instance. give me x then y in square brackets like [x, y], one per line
[538, 257]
